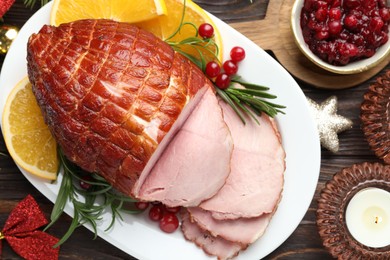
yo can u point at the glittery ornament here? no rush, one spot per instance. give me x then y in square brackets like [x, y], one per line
[21, 234]
[329, 124]
[5, 5]
[8, 33]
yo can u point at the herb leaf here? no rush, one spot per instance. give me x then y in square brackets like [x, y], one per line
[248, 98]
[89, 209]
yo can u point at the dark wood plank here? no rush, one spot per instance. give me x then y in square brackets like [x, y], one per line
[304, 243]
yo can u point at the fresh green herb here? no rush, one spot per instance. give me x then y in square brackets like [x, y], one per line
[96, 199]
[31, 3]
[246, 98]
[201, 46]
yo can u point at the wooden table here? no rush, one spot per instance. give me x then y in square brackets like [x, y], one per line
[304, 243]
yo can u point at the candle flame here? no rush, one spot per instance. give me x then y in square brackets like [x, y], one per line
[378, 219]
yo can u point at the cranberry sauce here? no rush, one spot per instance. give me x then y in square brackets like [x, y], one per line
[343, 31]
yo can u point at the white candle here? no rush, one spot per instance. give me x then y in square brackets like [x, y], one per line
[368, 217]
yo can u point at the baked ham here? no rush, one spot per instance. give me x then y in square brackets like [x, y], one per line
[215, 246]
[244, 231]
[255, 183]
[113, 95]
[188, 171]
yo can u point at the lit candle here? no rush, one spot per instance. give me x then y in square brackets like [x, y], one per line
[368, 217]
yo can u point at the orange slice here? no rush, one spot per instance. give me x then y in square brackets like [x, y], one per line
[130, 11]
[26, 135]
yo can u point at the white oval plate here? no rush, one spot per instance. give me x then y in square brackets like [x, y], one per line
[136, 235]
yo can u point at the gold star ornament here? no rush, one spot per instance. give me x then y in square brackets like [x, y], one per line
[329, 124]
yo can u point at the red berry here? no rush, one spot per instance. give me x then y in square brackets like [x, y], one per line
[334, 27]
[169, 223]
[321, 14]
[141, 205]
[156, 213]
[212, 69]
[351, 21]
[335, 13]
[385, 14]
[84, 182]
[230, 67]
[206, 30]
[222, 81]
[376, 24]
[237, 54]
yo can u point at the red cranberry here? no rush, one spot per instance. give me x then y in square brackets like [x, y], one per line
[334, 27]
[376, 24]
[322, 35]
[237, 54]
[335, 13]
[206, 30]
[222, 81]
[156, 213]
[230, 67]
[350, 4]
[385, 14]
[321, 14]
[351, 21]
[212, 69]
[169, 223]
[85, 182]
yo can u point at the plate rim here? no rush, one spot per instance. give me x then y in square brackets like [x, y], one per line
[316, 153]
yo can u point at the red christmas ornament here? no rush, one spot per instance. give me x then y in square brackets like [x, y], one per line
[5, 5]
[21, 234]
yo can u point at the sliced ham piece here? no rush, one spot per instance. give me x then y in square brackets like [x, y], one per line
[256, 181]
[215, 246]
[196, 163]
[113, 95]
[243, 230]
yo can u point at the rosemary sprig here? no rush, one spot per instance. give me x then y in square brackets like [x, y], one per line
[96, 199]
[31, 3]
[248, 98]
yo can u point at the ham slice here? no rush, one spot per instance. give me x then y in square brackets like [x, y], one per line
[113, 95]
[256, 181]
[196, 163]
[215, 246]
[243, 230]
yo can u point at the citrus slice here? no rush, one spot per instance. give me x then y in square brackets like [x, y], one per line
[130, 11]
[26, 135]
[164, 26]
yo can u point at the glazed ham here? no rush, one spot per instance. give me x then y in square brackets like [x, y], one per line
[188, 172]
[113, 95]
[120, 102]
[257, 169]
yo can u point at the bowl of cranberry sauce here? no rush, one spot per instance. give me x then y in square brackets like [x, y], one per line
[342, 36]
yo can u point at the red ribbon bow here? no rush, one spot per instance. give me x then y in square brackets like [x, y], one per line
[5, 5]
[21, 234]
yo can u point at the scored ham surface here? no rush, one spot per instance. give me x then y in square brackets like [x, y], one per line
[113, 95]
[196, 163]
[257, 169]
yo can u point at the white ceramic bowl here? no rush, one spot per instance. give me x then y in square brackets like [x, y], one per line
[350, 68]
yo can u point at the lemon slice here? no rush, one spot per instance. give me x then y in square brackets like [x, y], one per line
[131, 11]
[26, 135]
[164, 26]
